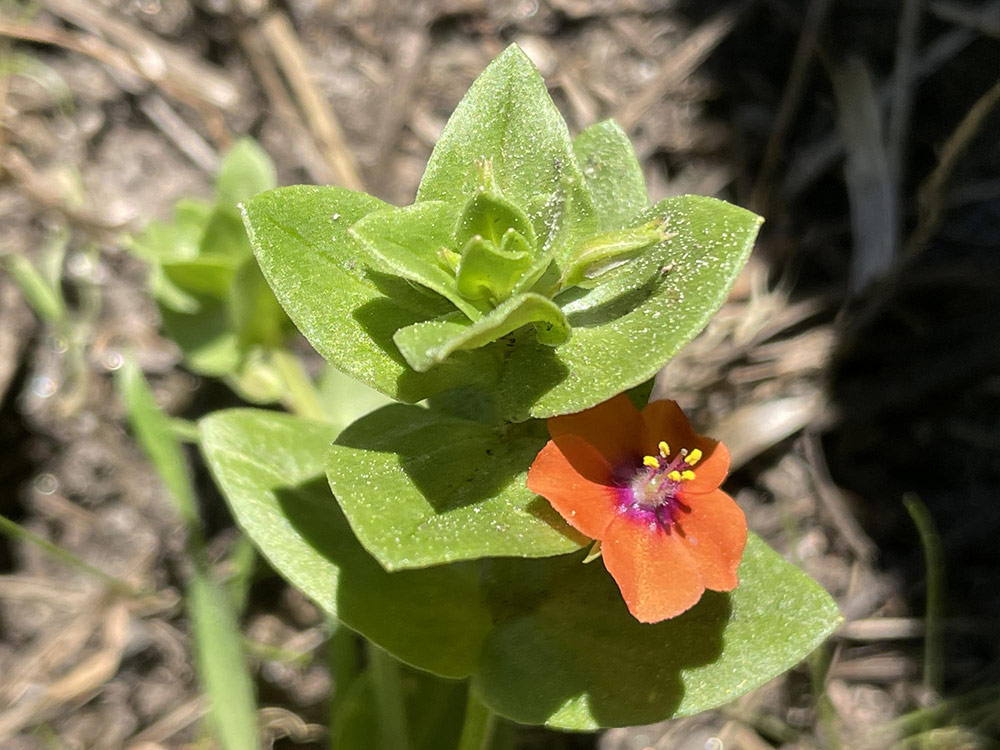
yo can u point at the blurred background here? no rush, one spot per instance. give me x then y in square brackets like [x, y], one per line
[855, 370]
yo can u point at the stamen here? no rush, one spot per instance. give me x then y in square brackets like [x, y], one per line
[675, 476]
[694, 457]
[651, 461]
[687, 475]
[664, 449]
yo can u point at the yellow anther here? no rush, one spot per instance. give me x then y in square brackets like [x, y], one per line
[687, 475]
[693, 457]
[664, 449]
[674, 475]
[651, 461]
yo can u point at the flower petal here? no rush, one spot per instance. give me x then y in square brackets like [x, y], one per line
[664, 420]
[567, 474]
[614, 427]
[715, 532]
[653, 568]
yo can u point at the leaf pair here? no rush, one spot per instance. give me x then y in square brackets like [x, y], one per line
[545, 640]
[213, 299]
[410, 302]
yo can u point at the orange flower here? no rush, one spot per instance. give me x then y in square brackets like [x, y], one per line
[647, 486]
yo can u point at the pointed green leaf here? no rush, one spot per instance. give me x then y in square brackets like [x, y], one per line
[491, 217]
[579, 661]
[598, 255]
[270, 468]
[490, 272]
[246, 170]
[256, 314]
[426, 344]
[347, 310]
[177, 239]
[225, 235]
[421, 488]
[208, 275]
[620, 344]
[507, 119]
[407, 242]
[205, 337]
[613, 173]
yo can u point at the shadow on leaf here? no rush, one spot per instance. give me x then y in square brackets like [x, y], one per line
[583, 654]
[432, 618]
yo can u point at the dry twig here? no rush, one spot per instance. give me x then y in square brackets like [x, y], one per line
[291, 57]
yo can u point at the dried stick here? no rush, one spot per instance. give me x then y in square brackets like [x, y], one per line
[291, 58]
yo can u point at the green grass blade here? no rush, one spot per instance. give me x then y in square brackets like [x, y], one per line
[156, 434]
[222, 667]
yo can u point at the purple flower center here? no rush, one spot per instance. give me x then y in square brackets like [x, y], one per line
[650, 493]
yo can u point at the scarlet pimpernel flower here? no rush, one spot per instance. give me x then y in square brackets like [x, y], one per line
[647, 486]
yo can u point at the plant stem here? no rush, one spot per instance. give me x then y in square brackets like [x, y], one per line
[934, 561]
[392, 725]
[14, 530]
[480, 722]
[302, 397]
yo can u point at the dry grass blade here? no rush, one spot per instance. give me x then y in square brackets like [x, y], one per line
[177, 720]
[817, 157]
[283, 107]
[288, 51]
[678, 66]
[408, 62]
[160, 61]
[932, 193]
[182, 135]
[882, 629]
[34, 184]
[870, 185]
[831, 499]
[750, 430]
[814, 21]
[985, 20]
[80, 683]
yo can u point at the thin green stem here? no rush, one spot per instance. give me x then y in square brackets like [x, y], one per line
[14, 530]
[302, 397]
[387, 680]
[934, 561]
[480, 723]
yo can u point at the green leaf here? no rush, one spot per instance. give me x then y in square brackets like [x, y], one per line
[421, 488]
[270, 469]
[602, 253]
[613, 174]
[256, 314]
[506, 119]
[625, 341]
[490, 272]
[246, 170]
[206, 338]
[345, 399]
[222, 667]
[579, 661]
[225, 235]
[175, 240]
[491, 217]
[407, 242]
[348, 311]
[208, 275]
[426, 344]
[256, 378]
[155, 434]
